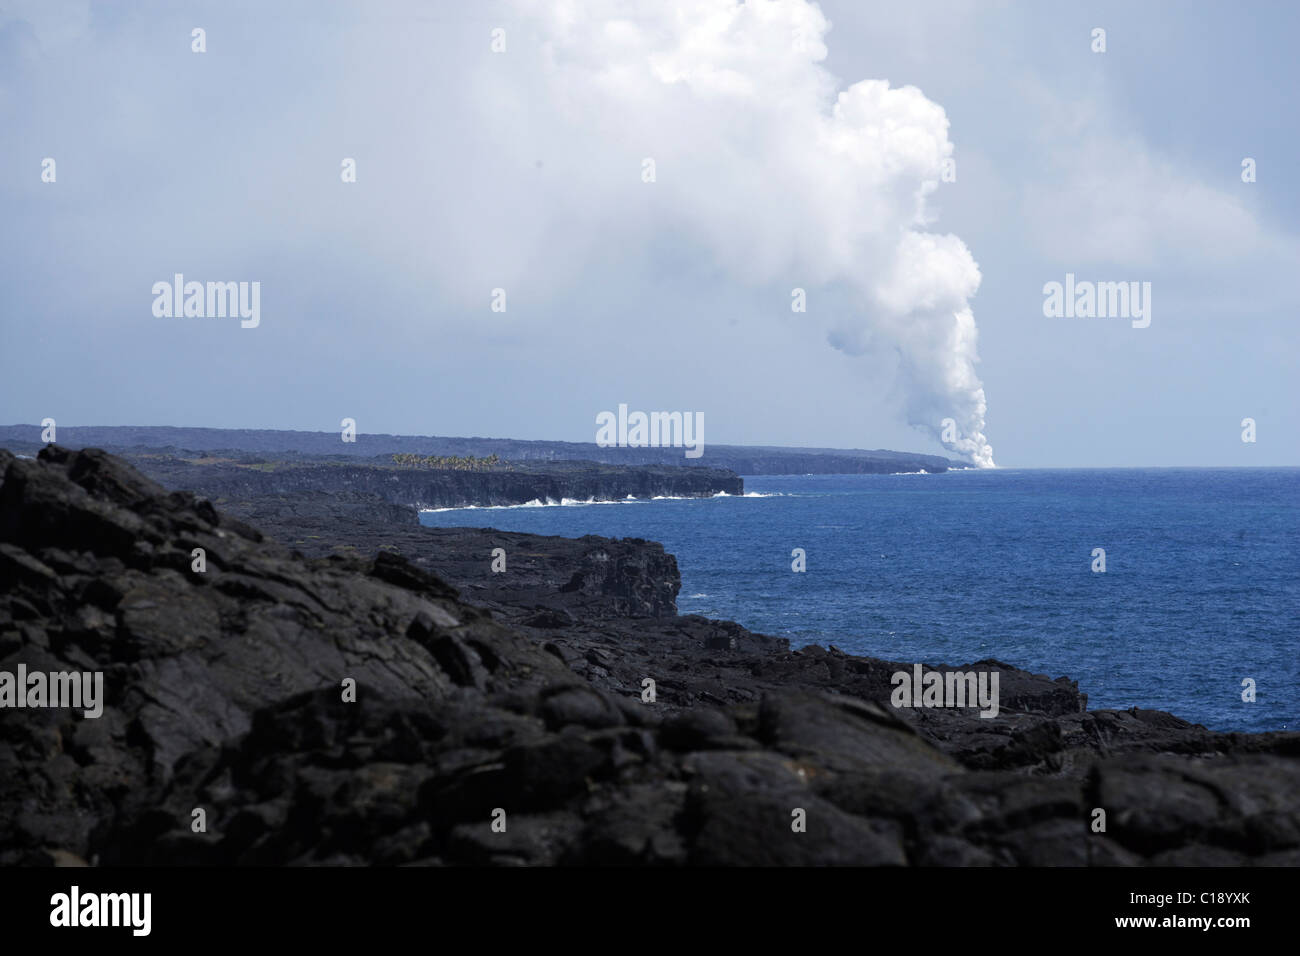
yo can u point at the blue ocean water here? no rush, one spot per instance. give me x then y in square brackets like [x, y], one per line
[1201, 588]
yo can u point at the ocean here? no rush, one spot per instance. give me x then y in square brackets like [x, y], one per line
[1201, 588]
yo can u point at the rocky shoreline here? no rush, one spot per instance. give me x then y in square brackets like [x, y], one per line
[144, 440]
[485, 696]
[502, 485]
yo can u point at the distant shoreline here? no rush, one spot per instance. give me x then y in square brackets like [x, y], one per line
[742, 459]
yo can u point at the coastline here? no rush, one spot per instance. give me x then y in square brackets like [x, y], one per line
[529, 689]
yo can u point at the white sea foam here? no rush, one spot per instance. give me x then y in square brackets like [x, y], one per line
[579, 502]
[535, 503]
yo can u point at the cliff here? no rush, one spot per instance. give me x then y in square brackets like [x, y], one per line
[742, 459]
[594, 577]
[420, 487]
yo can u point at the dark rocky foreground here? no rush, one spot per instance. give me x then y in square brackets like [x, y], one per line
[521, 692]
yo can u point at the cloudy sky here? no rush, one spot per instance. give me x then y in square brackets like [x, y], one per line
[794, 146]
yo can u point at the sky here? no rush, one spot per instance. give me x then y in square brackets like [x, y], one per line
[913, 175]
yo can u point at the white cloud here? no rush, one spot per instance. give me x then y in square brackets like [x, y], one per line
[1108, 197]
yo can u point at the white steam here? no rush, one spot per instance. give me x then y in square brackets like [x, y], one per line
[775, 175]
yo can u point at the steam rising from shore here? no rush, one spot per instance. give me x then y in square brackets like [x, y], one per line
[776, 176]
